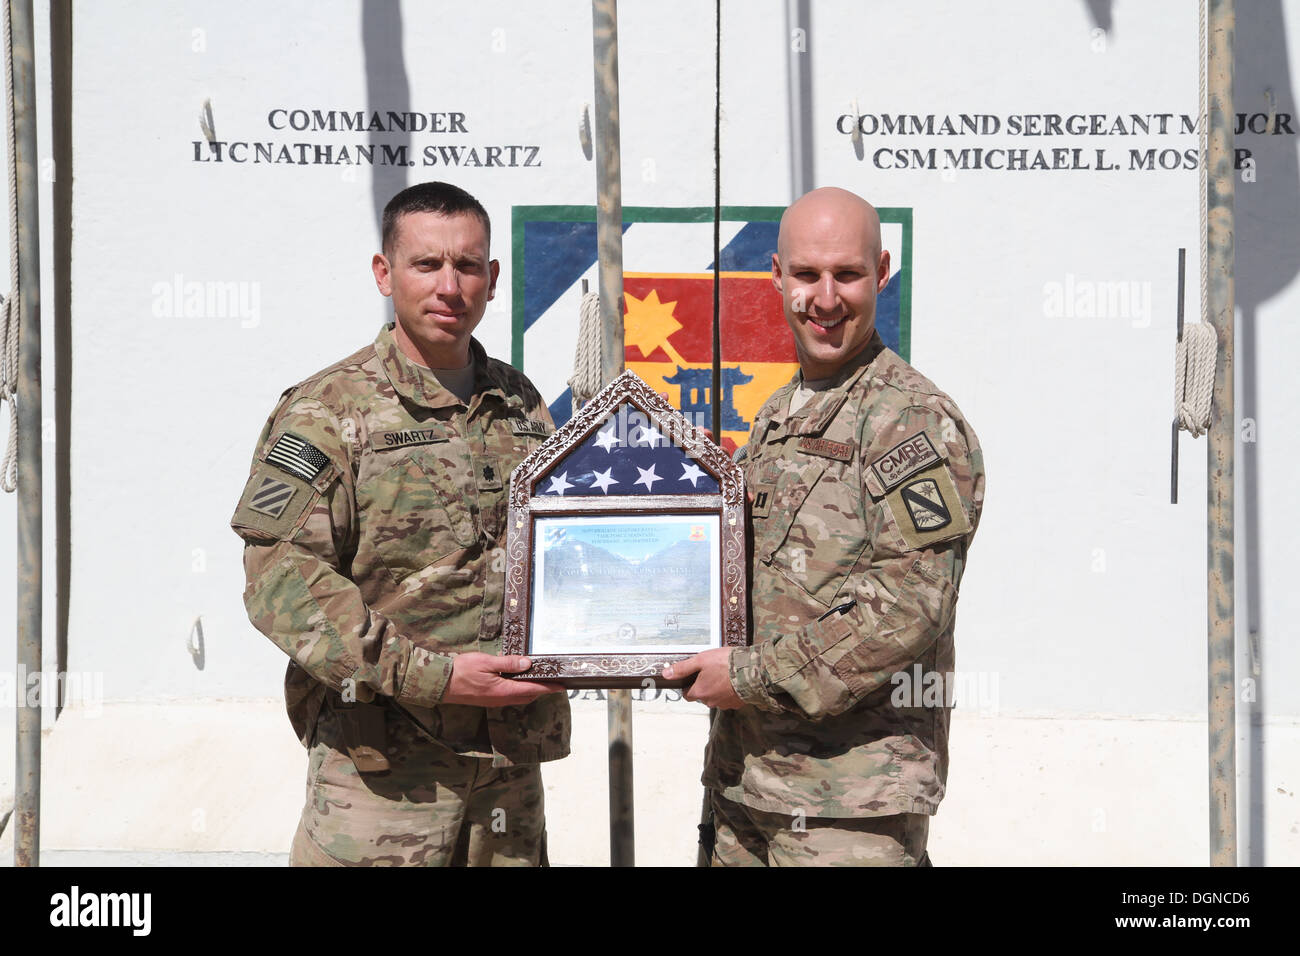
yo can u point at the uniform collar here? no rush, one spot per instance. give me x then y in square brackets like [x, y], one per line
[818, 411]
[422, 389]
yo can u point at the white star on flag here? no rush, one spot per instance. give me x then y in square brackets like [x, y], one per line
[650, 436]
[603, 480]
[559, 484]
[691, 473]
[648, 477]
[606, 439]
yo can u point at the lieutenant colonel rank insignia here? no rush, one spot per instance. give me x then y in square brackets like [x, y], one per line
[487, 473]
[297, 456]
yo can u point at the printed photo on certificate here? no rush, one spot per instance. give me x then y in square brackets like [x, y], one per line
[626, 584]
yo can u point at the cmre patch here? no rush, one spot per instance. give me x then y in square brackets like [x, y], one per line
[904, 460]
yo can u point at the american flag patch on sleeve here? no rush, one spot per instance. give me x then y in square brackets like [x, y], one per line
[297, 456]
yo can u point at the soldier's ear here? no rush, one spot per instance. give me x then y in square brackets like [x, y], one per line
[383, 274]
[494, 270]
[882, 272]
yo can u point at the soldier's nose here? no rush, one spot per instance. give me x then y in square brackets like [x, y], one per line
[446, 284]
[825, 297]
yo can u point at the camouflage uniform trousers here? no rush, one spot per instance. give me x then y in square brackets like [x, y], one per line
[432, 807]
[750, 837]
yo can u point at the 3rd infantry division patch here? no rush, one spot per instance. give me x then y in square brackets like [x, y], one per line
[925, 505]
[271, 497]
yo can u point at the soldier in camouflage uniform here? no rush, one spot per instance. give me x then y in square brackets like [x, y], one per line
[374, 529]
[830, 745]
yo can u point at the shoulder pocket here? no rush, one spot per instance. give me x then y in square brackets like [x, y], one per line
[273, 504]
[921, 509]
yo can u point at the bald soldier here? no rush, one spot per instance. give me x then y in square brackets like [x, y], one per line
[374, 530]
[866, 484]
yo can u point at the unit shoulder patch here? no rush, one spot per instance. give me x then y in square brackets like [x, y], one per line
[272, 507]
[928, 509]
[271, 497]
[925, 504]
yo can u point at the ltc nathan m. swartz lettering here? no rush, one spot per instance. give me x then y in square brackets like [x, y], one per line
[383, 154]
[75, 908]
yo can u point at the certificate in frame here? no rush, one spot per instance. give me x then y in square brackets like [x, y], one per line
[625, 547]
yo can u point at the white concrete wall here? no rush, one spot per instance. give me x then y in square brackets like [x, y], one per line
[1086, 594]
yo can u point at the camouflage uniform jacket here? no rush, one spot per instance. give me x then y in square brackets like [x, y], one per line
[374, 529]
[865, 502]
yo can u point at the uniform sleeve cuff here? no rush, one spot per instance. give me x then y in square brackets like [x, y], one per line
[746, 672]
[427, 677]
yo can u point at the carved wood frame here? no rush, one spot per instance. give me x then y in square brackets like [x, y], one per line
[612, 669]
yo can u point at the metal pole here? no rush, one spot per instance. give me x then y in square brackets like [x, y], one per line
[715, 406]
[622, 833]
[799, 76]
[27, 801]
[609, 240]
[609, 189]
[1220, 256]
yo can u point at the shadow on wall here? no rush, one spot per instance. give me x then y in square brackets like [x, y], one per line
[1100, 11]
[1267, 235]
[387, 88]
[1268, 260]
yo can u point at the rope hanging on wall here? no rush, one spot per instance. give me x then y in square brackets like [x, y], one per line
[585, 382]
[1194, 358]
[1196, 350]
[9, 305]
[1197, 347]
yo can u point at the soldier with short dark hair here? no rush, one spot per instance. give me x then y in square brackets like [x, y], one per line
[374, 522]
[867, 484]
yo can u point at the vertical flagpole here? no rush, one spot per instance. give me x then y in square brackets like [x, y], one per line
[1220, 253]
[27, 797]
[609, 240]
